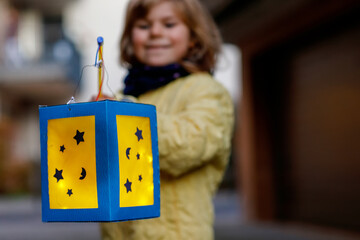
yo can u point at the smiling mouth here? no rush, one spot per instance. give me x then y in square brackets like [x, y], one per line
[157, 47]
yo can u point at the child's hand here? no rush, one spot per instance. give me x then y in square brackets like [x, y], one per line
[125, 98]
[117, 97]
[102, 97]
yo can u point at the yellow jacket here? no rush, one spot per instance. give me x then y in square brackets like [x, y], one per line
[195, 123]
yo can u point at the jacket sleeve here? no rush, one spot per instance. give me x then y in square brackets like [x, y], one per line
[199, 132]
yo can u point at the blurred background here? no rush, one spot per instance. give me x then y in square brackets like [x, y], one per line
[292, 68]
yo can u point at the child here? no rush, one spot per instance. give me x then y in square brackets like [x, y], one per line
[170, 47]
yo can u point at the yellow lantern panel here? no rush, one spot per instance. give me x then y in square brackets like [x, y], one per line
[135, 161]
[72, 163]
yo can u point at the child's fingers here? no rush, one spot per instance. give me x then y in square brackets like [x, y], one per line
[103, 97]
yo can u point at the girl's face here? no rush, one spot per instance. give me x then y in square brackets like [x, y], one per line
[161, 38]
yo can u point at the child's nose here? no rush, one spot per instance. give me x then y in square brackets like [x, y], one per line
[156, 29]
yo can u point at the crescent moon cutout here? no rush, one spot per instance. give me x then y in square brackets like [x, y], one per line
[83, 174]
[128, 153]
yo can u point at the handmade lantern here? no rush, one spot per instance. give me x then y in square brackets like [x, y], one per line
[99, 162]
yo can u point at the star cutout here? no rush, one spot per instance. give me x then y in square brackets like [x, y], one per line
[138, 156]
[62, 148]
[79, 137]
[140, 178]
[128, 185]
[69, 192]
[58, 174]
[139, 134]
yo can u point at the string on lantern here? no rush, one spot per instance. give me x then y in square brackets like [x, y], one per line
[72, 99]
[102, 71]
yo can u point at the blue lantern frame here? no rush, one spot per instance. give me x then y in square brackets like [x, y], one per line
[107, 161]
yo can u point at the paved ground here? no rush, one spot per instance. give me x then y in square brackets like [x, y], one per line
[20, 219]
